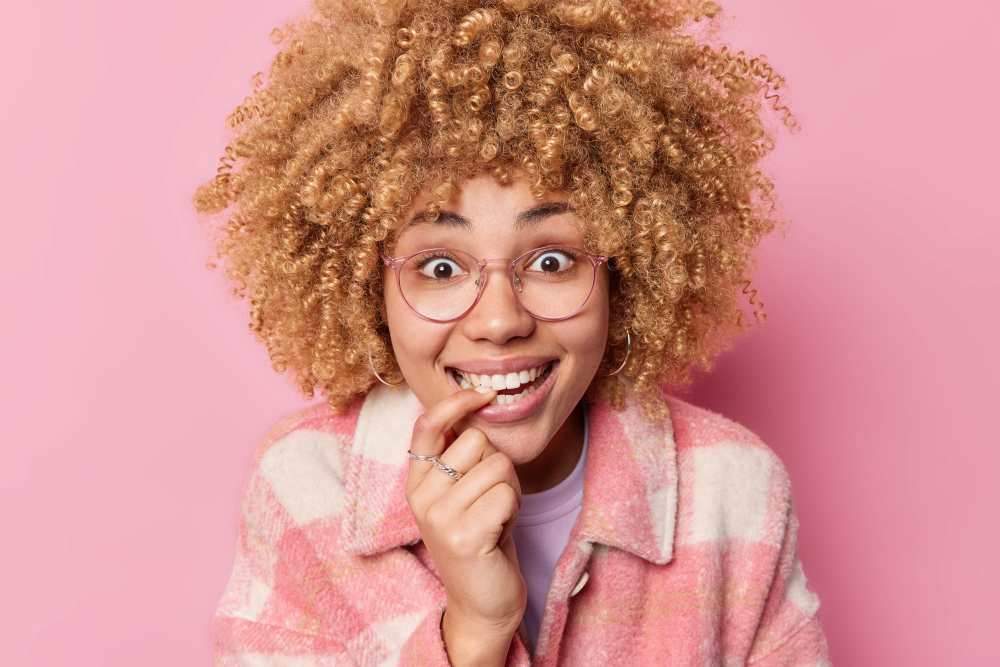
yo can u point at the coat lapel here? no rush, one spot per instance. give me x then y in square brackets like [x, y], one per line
[629, 482]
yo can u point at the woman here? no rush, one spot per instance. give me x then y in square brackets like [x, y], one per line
[489, 232]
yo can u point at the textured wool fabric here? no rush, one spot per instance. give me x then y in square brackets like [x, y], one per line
[544, 522]
[685, 546]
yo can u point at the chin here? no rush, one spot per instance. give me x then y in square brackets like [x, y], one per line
[521, 442]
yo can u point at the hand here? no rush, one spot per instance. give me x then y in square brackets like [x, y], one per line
[466, 524]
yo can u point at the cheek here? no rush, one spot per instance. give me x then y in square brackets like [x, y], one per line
[587, 334]
[415, 341]
[392, 302]
[589, 341]
[598, 321]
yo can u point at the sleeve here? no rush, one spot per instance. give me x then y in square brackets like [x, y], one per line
[789, 634]
[277, 608]
[265, 616]
[426, 646]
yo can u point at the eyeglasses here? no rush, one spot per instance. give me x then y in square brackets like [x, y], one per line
[443, 284]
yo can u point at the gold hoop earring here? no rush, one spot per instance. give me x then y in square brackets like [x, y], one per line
[372, 366]
[628, 350]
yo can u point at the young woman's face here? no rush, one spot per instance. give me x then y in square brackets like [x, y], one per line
[498, 329]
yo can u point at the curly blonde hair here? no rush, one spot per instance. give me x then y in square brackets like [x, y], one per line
[655, 137]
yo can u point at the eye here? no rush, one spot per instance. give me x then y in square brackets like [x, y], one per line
[439, 267]
[552, 261]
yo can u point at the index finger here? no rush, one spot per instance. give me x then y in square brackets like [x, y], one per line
[431, 428]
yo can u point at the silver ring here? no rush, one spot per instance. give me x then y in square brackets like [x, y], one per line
[437, 462]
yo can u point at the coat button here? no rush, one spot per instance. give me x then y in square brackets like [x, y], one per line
[580, 583]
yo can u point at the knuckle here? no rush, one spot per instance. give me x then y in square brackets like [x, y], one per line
[457, 541]
[502, 463]
[507, 494]
[411, 500]
[473, 434]
[424, 423]
[434, 517]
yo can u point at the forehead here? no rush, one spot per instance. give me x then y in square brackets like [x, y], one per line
[538, 225]
[524, 220]
[486, 213]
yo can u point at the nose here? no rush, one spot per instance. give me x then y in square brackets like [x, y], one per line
[497, 316]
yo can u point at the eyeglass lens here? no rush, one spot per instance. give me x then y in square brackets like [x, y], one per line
[442, 284]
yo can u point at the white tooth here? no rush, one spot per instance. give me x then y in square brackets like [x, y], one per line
[494, 401]
[531, 390]
[532, 374]
[524, 376]
[484, 381]
[513, 381]
[474, 379]
[465, 384]
[498, 382]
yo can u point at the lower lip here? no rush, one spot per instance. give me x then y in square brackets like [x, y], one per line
[512, 412]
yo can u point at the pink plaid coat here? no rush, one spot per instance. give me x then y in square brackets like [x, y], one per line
[684, 551]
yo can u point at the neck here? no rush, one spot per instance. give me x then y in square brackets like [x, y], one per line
[558, 459]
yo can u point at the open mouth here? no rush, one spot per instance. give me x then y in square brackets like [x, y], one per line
[511, 387]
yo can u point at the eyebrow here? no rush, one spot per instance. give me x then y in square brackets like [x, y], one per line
[531, 216]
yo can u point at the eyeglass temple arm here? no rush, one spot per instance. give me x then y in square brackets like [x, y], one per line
[388, 261]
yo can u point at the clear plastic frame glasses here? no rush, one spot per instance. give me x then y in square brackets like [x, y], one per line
[443, 284]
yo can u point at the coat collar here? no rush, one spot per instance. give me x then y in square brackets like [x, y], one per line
[629, 484]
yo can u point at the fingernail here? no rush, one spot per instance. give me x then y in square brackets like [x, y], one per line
[483, 390]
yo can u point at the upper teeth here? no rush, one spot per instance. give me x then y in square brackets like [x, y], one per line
[506, 381]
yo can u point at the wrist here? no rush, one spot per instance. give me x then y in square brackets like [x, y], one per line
[469, 643]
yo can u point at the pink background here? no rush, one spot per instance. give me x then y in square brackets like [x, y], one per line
[133, 393]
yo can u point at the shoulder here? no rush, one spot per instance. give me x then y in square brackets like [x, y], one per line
[708, 438]
[313, 426]
[737, 525]
[732, 485]
[300, 460]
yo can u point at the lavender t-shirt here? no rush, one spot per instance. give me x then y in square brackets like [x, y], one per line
[542, 531]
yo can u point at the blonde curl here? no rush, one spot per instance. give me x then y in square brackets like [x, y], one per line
[656, 137]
